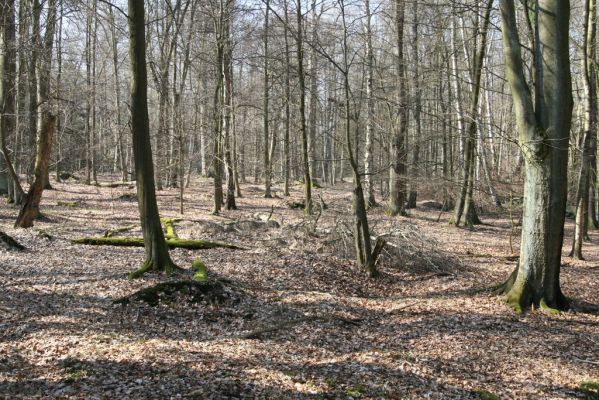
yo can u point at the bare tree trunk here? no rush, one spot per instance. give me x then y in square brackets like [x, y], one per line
[397, 179]
[7, 99]
[265, 107]
[157, 255]
[465, 198]
[590, 128]
[370, 115]
[302, 111]
[544, 137]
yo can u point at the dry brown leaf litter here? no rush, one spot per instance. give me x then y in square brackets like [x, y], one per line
[418, 332]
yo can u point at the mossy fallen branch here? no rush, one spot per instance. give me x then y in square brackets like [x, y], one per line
[139, 242]
[211, 291]
[169, 227]
[9, 243]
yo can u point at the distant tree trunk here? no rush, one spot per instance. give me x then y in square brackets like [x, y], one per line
[302, 111]
[228, 108]
[286, 154]
[157, 256]
[368, 177]
[413, 195]
[464, 203]
[265, 110]
[590, 128]
[397, 179]
[544, 133]
[117, 93]
[313, 93]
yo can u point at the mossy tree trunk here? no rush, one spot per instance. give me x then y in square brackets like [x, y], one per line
[157, 255]
[544, 130]
[30, 208]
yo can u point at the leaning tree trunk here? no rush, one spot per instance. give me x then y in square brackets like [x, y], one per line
[30, 208]
[544, 133]
[157, 256]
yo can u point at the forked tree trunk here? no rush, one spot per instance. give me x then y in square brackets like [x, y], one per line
[157, 255]
[464, 204]
[544, 133]
[30, 208]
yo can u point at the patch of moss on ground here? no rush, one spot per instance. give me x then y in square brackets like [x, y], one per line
[590, 390]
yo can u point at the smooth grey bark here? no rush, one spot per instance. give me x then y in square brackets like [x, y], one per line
[544, 129]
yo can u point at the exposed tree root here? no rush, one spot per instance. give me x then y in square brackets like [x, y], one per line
[139, 242]
[151, 265]
[9, 243]
[520, 297]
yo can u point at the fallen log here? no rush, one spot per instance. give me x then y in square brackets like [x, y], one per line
[139, 242]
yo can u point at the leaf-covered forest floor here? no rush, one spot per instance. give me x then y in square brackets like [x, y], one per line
[298, 319]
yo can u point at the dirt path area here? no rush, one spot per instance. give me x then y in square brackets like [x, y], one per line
[298, 319]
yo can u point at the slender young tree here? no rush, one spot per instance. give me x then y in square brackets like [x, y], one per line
[397, 179]
[302, 109]
[157, 255]
[590, 129]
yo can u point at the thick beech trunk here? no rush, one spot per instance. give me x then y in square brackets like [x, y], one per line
[544, 130]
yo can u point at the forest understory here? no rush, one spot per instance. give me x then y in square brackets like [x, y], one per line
[293, 316]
